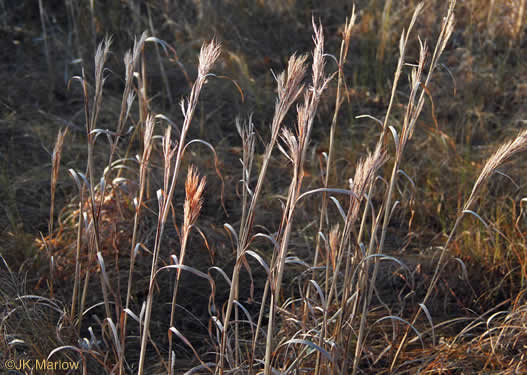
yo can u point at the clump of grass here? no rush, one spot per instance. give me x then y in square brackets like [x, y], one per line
[289, 88]
[209, 54]
[336, 321]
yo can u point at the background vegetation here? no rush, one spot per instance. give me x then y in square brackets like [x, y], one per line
[446, 296]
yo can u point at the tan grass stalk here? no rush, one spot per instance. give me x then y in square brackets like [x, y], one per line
[100, 60]
[91, 120]
[194, 188]
[400, 63]
[331, 258]
[296, 151]
[247, 135]
[143, 171]
[364, 177]
[360, 283]
[289, 88]
[414, 107]
[208, 56]
[76, 285]
[131, 59]
[502, 154]
[55, 166]
[143, 95]
[344, 47]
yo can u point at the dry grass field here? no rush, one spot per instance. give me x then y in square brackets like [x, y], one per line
[263, 187]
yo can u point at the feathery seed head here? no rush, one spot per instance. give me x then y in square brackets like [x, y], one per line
[149, 133]
[292, 84]
[194, 188]
[364, 175]
[334, 236]
[207, 57]
[504, 152]
[318, 57]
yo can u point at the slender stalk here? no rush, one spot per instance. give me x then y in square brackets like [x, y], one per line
[76, 284]
[297, 148]
[191, 210]
[504, 152]
[289, 88]
[398, 71]
[413, 111]
[209, 54]
[143, 171]
[55, 167]
[344, 46]
[91, 120]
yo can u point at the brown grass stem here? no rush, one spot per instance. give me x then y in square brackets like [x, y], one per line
[289, 88]
[208, 56]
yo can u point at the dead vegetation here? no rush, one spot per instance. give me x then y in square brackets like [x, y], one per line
[354, 209]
